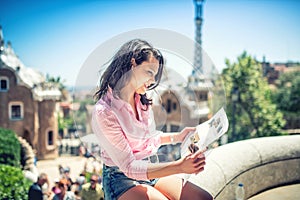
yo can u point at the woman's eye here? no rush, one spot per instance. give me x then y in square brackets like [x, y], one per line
[150, 73]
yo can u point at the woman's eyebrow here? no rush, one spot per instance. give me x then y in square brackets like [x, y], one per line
[153, 68]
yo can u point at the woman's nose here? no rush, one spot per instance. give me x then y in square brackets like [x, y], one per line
[151, 80]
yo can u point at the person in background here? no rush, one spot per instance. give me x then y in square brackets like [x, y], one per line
[82, 150]
[61, 171]
[55, 189]
[92, 190]
[68, 177]
[77, 186]
[35, 191]
[64, 193]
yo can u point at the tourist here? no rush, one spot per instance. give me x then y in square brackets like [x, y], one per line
[55, 189]
[92, 190]
[77, 186]
[64, 193]
[35, 191]
[124, 125]
[67, 176]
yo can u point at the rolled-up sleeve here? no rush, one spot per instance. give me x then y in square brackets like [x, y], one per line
[112, 139]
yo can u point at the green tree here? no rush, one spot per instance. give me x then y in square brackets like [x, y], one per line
[81, 116]
[58, 83]
[13, 184]
[64, 122]
[287, 97]
[255, 114]
[10, 148]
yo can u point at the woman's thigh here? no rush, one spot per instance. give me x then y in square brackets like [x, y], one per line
[170, 186]
[173, 188]
[142, 192]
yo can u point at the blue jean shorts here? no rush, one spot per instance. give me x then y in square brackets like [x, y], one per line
[115, 182]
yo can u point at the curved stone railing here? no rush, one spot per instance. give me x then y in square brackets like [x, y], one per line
[260, 164]
[29, 169]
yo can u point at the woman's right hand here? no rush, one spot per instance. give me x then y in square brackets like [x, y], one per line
[192, 163]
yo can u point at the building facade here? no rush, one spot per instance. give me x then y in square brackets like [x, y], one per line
[29, 104]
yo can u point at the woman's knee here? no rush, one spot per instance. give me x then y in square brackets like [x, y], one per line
[192, 191]
[141, 192]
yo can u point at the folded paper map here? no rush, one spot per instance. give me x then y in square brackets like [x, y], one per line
[206, 134]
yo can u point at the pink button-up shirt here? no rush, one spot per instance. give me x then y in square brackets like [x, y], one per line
[125, 140]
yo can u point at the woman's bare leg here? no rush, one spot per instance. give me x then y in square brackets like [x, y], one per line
[170, 186]
[190, 191]
[142, 192]
[173, 188]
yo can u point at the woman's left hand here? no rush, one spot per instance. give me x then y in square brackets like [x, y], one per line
[185, 132]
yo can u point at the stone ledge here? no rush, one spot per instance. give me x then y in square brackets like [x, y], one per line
[259, 163]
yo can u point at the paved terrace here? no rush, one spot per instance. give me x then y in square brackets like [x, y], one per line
[260, 164]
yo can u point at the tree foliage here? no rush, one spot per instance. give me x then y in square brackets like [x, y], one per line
[64, 122]
[13, 184]
[57, 81]
[255, 114]
[10, 148]
[60, 84]
[287, 95]
[81, 116]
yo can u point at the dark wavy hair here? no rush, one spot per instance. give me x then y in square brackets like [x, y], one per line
[115, 76]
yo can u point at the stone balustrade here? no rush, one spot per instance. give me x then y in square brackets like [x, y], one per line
[260, 164]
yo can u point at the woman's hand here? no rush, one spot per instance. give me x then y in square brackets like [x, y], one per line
[185, 132]
[192, 163]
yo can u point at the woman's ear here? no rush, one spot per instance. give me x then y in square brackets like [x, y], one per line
[133, 63]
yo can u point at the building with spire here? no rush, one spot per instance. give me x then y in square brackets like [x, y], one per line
[29, 104]
[184, 104]
[198, 30]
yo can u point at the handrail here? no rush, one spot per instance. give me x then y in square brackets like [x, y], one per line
[260, 164]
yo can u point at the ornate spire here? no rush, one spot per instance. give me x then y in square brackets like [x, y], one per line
[1, 40]
[9, 49]
[198, 24]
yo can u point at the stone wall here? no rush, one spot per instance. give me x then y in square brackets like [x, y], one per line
[260, 164]
[48, 122]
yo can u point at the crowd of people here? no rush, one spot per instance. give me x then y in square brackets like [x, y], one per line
[87, 186]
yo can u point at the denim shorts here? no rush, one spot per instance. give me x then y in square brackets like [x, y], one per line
[115, 182]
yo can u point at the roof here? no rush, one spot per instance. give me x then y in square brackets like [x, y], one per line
[29, 77]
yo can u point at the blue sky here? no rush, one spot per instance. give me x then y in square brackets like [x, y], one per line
[57, 36]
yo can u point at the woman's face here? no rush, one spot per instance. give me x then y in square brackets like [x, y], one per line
[144, 75]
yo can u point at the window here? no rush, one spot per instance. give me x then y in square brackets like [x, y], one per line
[168, 106]
[16, 110]
[174, 128]
[3, 84]
[50, 137]
[164, 128]
[174, 106]
[203, 96]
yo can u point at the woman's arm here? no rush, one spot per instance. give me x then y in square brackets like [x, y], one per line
[191, 164]
[111, 139]
[173, 138]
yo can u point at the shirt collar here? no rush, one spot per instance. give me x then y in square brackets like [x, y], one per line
[117, 102]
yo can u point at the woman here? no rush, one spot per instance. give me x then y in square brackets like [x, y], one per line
[124, 124]
[64, 193]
